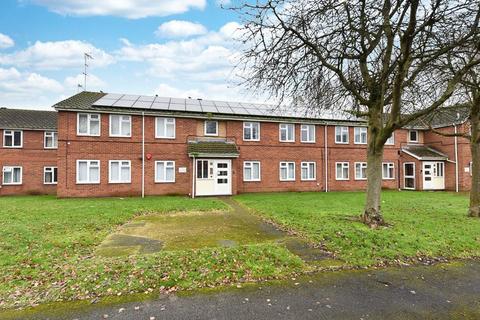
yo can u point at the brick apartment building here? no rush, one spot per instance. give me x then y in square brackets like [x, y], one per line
[201, 147]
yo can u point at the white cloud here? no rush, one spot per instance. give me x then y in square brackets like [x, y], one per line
[55, 55]
[12, 80]
[180, 29]
[223, 3]
[132, 9]
[94, 83]
[6, 41]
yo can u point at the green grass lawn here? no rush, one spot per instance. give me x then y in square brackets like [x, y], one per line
[47, 252]
[424, 224]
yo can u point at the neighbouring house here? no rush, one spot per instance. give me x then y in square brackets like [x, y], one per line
[122, 145]
[28, 153]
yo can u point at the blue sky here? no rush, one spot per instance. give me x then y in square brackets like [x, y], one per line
[167, 47]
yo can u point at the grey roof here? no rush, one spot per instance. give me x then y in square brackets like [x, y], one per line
[205, 148]
[28, 119]
[442, 117]
[422, 152]
[112, 102]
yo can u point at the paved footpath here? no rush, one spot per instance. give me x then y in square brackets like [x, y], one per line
[436, 292]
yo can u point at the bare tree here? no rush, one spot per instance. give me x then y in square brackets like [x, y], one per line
[365, 57]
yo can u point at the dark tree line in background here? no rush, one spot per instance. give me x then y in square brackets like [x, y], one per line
[373, 59]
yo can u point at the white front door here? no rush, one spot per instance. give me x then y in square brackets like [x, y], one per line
[213, 177]
[433, 175]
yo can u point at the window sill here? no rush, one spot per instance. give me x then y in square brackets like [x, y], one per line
[162, 182]
[12, 184]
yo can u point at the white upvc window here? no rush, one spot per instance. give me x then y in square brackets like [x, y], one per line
[120, 125]
[308, 171]
[412, 135]
[50, 140]
[203, 169]
[88, 171]
[50, 175]
[360, 171]
[13, 138]
[287, 132]
[251, 171]
[251, 131]
[12, 175]
[164, 171]
[341, 135]
[342, 170]
[391, 140]
[165, 128]
[307, 133]
[211, 128]
[388, 171]
[439, 169]
[360, 135]
[88, 124]
[287, 171]
[119, 171]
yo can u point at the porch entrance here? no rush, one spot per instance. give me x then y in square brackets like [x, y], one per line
[433, 175]
[213, 177]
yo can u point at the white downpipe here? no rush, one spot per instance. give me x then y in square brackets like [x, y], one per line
[456, 159]
[326, 159]
[143, 154]
[194, 174]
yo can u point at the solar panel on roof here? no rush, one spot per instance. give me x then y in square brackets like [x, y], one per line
[113, 96]
[209, 108]
[240, 110]
[105, 102]
[160, 105]
[123, 103]
[130, 97]
[193, 108]
[221, 104]
[146, 98]
[142, 104]
[176, 107]
[255, 112]
[177, 101]
[193, 101]
[207, 103]
[162, 99]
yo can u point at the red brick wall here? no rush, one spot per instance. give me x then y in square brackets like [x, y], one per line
[32, 158]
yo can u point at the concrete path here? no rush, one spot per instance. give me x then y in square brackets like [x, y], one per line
[436, 292]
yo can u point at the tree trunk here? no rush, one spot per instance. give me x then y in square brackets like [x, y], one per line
[474, 209]
[372, 216]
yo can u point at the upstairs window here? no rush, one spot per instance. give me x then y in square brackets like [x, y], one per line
[12, 175]
[341, 135]
[413, 136]
[307, 133]
[165, 128]
[360, 134]
[13, 138]
[50, 175]
[287, 132]
[251, 131]
[391, 140]
[50, 140]
[211, 128]
[388, 171]
[88, 124]
[120, 125]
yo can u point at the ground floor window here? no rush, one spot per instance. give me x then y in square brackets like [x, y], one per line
[409, 175]
[251, 171]
[165, 171]
[119, 171]
[308, 171]
[287, 171]
[388, 171]
[12, 175]
[342, 171]
[360, 171]
[50, 175]
[88, 171]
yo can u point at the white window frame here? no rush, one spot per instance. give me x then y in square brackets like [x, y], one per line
[305, 128]
[417, 134]
[250, 164]
[389, 165]
[205, 128]
[165, 171]
[405, 176]
[121, 120]
[435, 169]
[391, 140]
[286, 165]
[342, 130]
[54, 136]
[120, 171]
[12, 183]
[89, 165]
[12, 133]
[358, 132]
[363, 166]
[306, 165]
[286, 126]
[54, 175]
[248, 125]
[344, 165]
[167, 121]
[89, 118]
